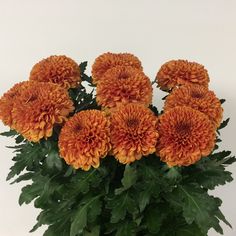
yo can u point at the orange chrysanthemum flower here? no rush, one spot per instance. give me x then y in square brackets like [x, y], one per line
[179, 72]
[124, 84]
[60, 70]
[84, 139]
[199, 98]
[38, 108]
[109, 60]
[133, 132]
[7, 101]
[185, 136]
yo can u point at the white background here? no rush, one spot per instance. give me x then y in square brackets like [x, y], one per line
[156, 31]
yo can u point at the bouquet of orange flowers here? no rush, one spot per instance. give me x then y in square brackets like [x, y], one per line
[107, 161]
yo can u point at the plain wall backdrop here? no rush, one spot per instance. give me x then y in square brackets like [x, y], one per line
[156, 31]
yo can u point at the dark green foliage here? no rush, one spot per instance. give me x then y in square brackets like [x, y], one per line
[145, 198]
[85, 77]
[222, 101]
[223, 125]
[82, 99]
[154, 109]
[198, 207]
[164, 98]
[176, 226]
[10, 133]
[87, 212]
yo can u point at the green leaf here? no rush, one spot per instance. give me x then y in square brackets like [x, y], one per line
[83, 66]
[53, 160]
[120, 205]
[94, 231]
[19, 139]
[210, 172]
[154, 109]
[144, 198]
[199, 207]
[10, 133]
[126, 229]
[218, 140]
[214, 177]
[148, 185]
[24, 177]
[229, 160]
[154, 218]
[224, 124]
[62, 228]
[223, 158]
[220, 155]
[173, 174]
[130, 176]
[222, 101]
[29, 193]
[16, 169]
[85, 77]
[145, 193]
[221, 217]
[83, 181]
[175, 225]
[174, 199]
[95, 209]
[83, 100]
[164, 98]
[128, 180]
[69, 172]
[42, 188]
[72, 93]
[49, 188]
[80, 219]
[35, 227]
[28, 157]
[122, 228]
[89, 80]
[79, 223]
[189, 230]
[58, 214]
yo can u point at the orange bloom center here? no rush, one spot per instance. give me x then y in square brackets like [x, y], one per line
[183, 128]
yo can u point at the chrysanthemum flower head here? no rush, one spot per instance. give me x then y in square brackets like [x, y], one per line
[85, 139]
[109, 60]
[198, 97]
[186, 135]
[133, 132]
[38, 108]
[60, 70]
[7, 101]
[179, 72]
[124, 84]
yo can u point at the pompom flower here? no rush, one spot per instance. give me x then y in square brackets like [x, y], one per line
[109, 60]
[123, 84]
[179, 72]
[85, 139]
[199, 98]
[39, 108]
[60, 70]
[7, 101]
[133, 132]
[186, 135]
